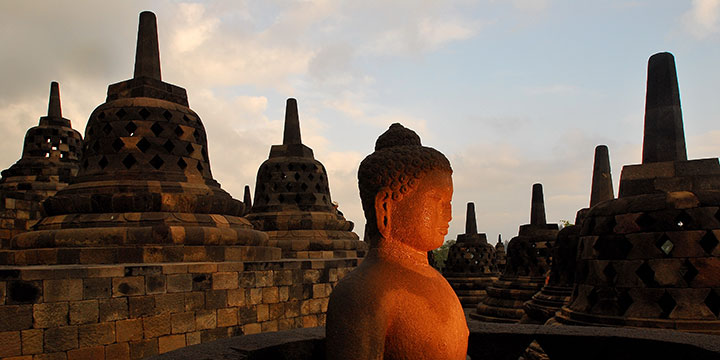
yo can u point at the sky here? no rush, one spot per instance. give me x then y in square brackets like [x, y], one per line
[513, 92]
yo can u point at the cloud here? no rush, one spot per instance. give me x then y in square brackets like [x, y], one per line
[701, 20]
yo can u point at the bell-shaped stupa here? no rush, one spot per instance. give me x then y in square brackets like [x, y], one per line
[500, 255]
[650, 258]
[558, 290]
[528, 261]
[292, 201]
[49, 161]
[470, 266]
[144, 191]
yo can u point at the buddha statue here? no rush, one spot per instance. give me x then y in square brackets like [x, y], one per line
[395, 305]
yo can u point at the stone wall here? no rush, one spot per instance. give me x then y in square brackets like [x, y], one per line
[132, 311]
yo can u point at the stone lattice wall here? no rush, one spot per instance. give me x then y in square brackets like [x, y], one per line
[131, 311]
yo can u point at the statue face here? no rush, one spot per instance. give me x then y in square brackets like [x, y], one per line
[420, 219]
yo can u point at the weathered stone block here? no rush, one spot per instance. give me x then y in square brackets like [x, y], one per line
[225, 280]
[247, 315]
[254, 296]
[192, 338]
[97, 288]
[247, 279]
[96, 334]
[202, 268]
[119, 351]
[311, 276]
[88, 353]
[310, 321]
[292, 309]
[201, 282]
[249, 329]
[61, 339]
[194, 300]
[10, 344]
[84, 312]
[169, 303]
[113, 309]
[183, 322]
[321, 290]
[283, 293]
[48, 315]
[129, 330]
[62, 290]
[141, 306]
[236, 297]
[156, 326]
[32, 341]
[270, 295]
[268, 326]
[128, 286]
[155, 284]
[51, 356]
[277, 311]
[16, 317]
[264, 278]
[171, 342]
[205, 319]
[179, 283]
[227, 317]
[143, 349]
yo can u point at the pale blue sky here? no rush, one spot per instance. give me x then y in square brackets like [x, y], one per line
[512, 91]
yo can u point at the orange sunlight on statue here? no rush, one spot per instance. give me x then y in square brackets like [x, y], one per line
[395, 305]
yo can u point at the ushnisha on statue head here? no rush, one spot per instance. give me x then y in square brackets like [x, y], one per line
[405, 190]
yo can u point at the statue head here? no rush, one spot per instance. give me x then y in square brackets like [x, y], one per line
[406, 189]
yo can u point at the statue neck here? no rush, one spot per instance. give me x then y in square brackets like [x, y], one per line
[399, 252]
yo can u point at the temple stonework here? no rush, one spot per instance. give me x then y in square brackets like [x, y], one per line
[49, 161]
[500, 255]
[557, 292]
[650, 257]
[528, 261]
[471, 265]
[293, 204]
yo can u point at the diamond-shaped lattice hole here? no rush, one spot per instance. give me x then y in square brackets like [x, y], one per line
[96, 146]
[144, 113]
[101, 115]
[311, 176]
[624, 301]
[297, 176]
[85, 164]
[196, 135]
[712, 301]
[129, 161]
[167, 115]
[709, 242]
[156, 162]
[199, 167]
[317, 188]
[169, 146]
[107, 129]
[189, 148]
[186, 118]
[298, 198]
[131, 127]
[120, 113]
[304, 187]
[592, 298]
[179, 131]
[645, 221]
[143, 145]
[288, 186]
[667, 304]
[281, 198]
[157, 129]
[683, 221]
[665, 245]
[204, 154]
[647, 275]
[118, 144]
[303, 167]
[610, 273]
[182, 164]
[688, 271]
[103, 162]
[291, 167]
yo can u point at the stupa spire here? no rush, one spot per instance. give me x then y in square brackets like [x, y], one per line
[602, 187]
[54, 109]
[664, 137]
[291, 135]
[247, 199]
[537, 206]
[147, 53]
[470, 222]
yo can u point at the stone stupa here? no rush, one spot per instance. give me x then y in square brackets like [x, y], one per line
[500, 255]
[650, 258]
[144, 191]
[49, 161]
[470, 266]
[292, 201]
[558, 290]
[528, 261]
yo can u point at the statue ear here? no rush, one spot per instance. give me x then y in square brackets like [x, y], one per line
[383, 207]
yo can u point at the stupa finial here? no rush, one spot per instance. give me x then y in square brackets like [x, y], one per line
[54, 109]
[470, 222]
[247, 199]
[147, 53]
[537, 206]
[291, 135]
[664, 137]
[602, 187]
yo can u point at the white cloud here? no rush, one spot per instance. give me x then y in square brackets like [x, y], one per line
[701, 19]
